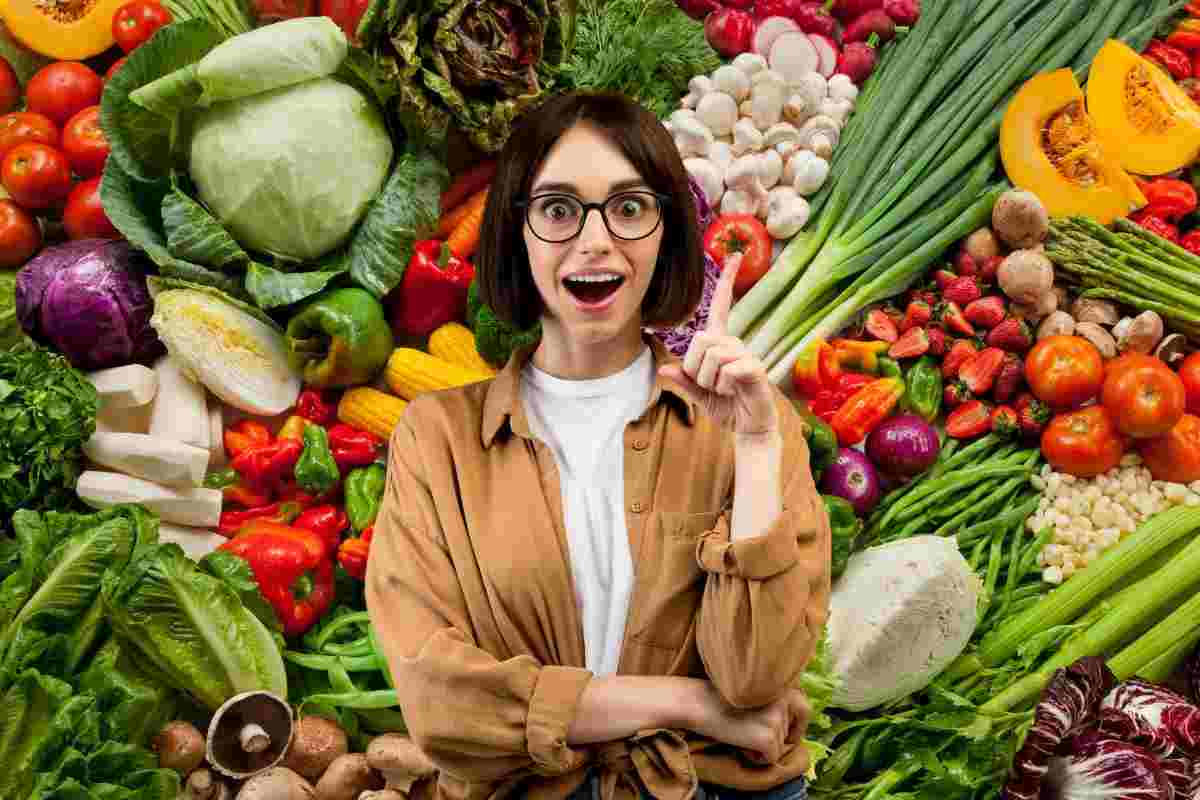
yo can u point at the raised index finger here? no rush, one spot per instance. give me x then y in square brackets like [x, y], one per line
[722, 299]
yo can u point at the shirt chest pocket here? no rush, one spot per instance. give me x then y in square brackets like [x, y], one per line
[670, 581]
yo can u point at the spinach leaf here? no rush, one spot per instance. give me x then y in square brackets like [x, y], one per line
[271, 288]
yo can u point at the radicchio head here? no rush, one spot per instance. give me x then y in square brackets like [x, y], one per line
[1107, 769]
[1153, 716]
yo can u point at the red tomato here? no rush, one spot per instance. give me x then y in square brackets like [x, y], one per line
[1144, 397]
[1064, 371]
[347, 14]
[84, 216]
[63, 89]
[745, 234]
[36, 175]
[20, 236]
[1174, 457]
[1189, 373]
[1083, 443]
[10, 87]
[134, 23]
[266, 11]
[84, 143]
[24, 126]
[116, 65]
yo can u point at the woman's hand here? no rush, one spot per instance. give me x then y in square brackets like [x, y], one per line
[728, 382]
[766, 733]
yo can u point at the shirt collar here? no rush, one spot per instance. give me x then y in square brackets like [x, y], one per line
[502, 403]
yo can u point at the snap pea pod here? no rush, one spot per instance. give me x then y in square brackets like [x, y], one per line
[1003, 457]
[947, 486]
[1020, 513]
[995, 561]
[977, 555]
[1001, 499]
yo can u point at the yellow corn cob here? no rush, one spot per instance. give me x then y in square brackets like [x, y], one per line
[456, 343]
[371, 410]
[410, 372]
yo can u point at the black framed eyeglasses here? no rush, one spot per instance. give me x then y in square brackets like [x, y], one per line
[557, 218]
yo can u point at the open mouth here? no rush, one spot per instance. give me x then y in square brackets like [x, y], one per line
[592, 291]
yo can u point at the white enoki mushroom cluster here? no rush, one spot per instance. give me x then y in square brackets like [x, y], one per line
[1090, 515]
[758, 144]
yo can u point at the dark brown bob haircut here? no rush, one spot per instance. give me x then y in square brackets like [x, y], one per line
[502, 262]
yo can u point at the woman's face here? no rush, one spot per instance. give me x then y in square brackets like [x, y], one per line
[586, 165]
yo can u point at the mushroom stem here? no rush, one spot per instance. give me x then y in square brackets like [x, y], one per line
[254, 738]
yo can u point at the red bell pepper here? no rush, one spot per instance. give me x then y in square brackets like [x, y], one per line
[353, 553]
[1168, 198]
[280, 511]
[1156, 225]
[1186, 37]
[352, 447]
[432, 292]
[240, 494]
[1172, 59]
[1193, 9]
[245, 434]
[827, 401]
[816, 369]
[327, 522]
[316, 406]
[264, 466]
[293, 571]
[865, 409]
[1191, 242]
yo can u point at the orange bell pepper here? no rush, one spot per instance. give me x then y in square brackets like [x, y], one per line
[859, 356]
[865, 409]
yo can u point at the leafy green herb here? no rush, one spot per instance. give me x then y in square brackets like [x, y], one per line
[647, 49]
[47, 411]
[10, 326]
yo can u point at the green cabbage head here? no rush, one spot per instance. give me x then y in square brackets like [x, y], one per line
[292, 170]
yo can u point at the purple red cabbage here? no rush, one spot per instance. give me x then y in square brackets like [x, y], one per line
[1068, 701]
[1106, 769]
[1178, 772]
[678, 339]
[1192, 670]
[1153, 716]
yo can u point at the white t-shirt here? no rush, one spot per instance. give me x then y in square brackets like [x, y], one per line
[583, 423]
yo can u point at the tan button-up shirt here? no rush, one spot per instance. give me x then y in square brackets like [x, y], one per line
[470, 591]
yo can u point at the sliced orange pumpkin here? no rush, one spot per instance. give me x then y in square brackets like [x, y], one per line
[1143, 117]
[67, 30]
[1049, 146]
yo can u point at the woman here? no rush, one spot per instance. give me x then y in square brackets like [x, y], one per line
[575, 596]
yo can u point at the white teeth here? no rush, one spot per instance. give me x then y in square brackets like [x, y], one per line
[594, 278]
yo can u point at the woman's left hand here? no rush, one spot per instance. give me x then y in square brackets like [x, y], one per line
[728, 382]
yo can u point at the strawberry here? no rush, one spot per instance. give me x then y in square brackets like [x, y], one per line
[1012, 335]
[1032, 415]
[962, 351]
[894, 314]
[924, 295]
[951, 316]
[1008, 380]
[986, 312]
[963, 291]
[955, 394]
[979, 373]
[937, 339]
[990, 267]
[1005, 422]
[942, 277]
[916, 315]
[969, 420]
[914, 342]
[965, 263]
[880, 326]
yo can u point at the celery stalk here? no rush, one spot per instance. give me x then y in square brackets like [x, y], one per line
[1155, 643]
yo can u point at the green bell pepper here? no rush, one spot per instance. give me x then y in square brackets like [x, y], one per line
[822, 443]
[364, 494]
[316, 471]
[340, 338]
[923, 388]
[844, 527]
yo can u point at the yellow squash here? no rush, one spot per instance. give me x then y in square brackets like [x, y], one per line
[1049, 146]
[1143, 117]
[68, 31]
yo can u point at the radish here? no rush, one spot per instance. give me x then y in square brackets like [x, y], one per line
[778, 8]
[827, 53]
[729, 31]
[793, 56]
[769, 30]
[813, 18]
[902, 12]
[846, 10]
[876, 22]
[857, 61]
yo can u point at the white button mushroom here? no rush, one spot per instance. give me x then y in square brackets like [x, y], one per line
[813, 88]
[692, 138]
[787, 212]
[781, 132]
[796, 110]
[744, 174]
[738, 201]
[679, 115]
[820, 135]
[697, 88]
[718, 111]
[732, 81]
[770, 168]
[837, 110]
[710, 177]
[750, 63]
[721, 154]
[842, 88]
[807, 171]
[747, 138]
[766, 101]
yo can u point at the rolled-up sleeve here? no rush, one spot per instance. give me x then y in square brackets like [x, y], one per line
[477, 718]
[766, 598]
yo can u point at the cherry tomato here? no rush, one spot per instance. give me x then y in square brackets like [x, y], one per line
[25, 126]
[116, 65]
[36, 175]
[1189, 373]
[1083, 443]
[84, 216]
[1145, 398]
[745, 234]
[1064, 371]
[84, 143]
[10, 87]
[134, 23]
[63, 89]
[20, 236]
[346, 13]
[1174, 457]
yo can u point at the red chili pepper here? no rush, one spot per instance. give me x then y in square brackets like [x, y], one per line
[825, 404]
[1168, 198]
[1172, 59]
[281, 511]
[327, 522]
[433, 290]
[353, 553]
[292, 569]
[245, 434]
[1191, 242]
[316, 406]
[865, 409]
[352, 447]
[848, 383]
[1156, 225]
[1186, 40]
[245, 496]
[266, 465]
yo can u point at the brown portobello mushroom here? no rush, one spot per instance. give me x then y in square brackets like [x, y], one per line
[180, 746]
[248, 734]
[347, 777]
[316, 743]
[202, 784]
[276, 783]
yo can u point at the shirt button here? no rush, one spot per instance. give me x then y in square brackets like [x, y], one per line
[640, 444]
[637, 508]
